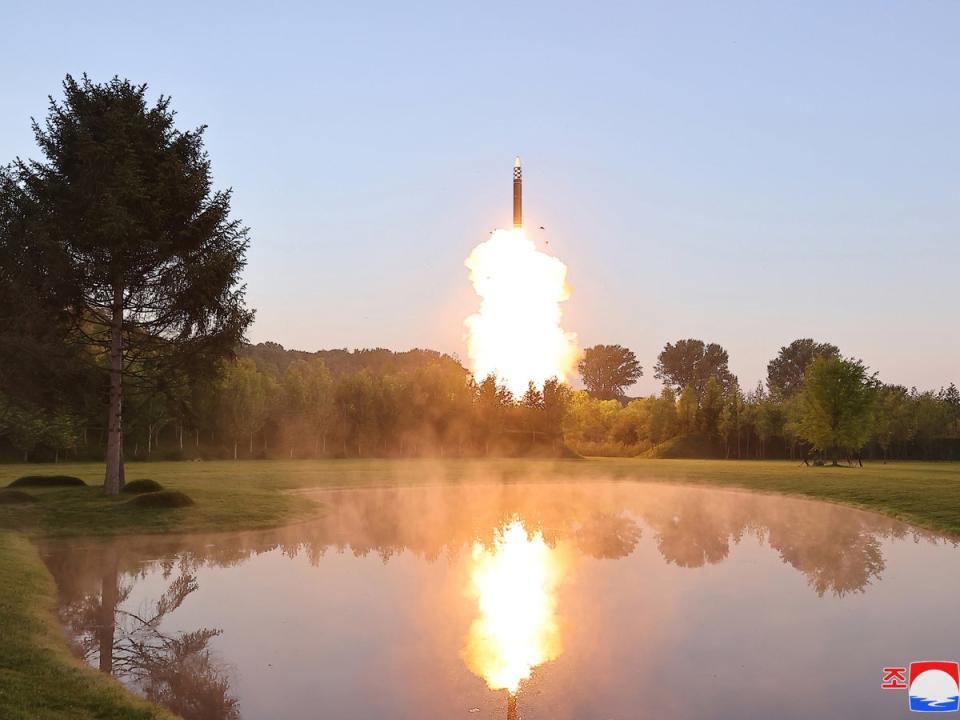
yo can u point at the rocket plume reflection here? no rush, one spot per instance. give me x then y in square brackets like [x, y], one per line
[514, 581]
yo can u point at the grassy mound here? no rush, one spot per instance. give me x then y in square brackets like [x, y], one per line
[685, 446]
[144, 485]
[15, 497]
[163, 499]
[46, 481]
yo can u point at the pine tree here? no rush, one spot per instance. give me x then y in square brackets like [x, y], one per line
[148, 257]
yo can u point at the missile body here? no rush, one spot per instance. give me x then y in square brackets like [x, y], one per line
[517, 194]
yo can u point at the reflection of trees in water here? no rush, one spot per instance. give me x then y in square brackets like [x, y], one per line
[177, 671]
[838, 549]
[692, 533]
[835, 551]
[608, 535]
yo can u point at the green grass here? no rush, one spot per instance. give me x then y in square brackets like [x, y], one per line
[247, 494]
[39, 678]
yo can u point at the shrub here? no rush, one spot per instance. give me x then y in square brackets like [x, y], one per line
[15, 497]
[163, 499]
[46, 481]
[143, 485]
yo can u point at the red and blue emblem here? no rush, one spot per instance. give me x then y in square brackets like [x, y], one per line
[934, 686]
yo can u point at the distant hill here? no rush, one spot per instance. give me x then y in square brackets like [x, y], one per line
[378, 361]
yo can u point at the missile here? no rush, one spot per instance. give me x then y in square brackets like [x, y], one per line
[517, 193]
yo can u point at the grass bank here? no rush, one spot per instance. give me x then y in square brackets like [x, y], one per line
[248, 494]
[39, 679]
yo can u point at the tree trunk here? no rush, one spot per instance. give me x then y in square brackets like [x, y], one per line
[113, 480]
[197, 431]
[234, 448]
[251, 444]
[181, 436]
[106, 620]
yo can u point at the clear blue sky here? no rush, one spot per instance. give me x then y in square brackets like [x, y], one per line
[746, 173]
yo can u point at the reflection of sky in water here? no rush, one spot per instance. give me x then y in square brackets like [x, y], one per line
[675, 602]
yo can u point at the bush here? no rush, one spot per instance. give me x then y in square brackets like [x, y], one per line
[15, 497]
[163, 499]
[46, 481]
[588, 448]
[144, 485]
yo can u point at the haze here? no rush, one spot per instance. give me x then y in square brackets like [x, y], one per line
[747, 173]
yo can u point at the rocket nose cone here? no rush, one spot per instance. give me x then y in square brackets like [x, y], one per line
[516, 162]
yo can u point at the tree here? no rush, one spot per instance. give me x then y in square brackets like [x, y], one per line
[588, 419]
[931, 419]
[27, 427]
[354, 400]
[607, 370]
[531, 411]
[631, 426]
[691, 363]
[245, 394]
[786, 371]
[491, 403]
[687, 409]
[769, 419]
[950, 397]
[663, 417]
[836, 409]
[731, 418]
[308, 402]
[893, 418]
[148, 259]
[711, 405]
[556, 398]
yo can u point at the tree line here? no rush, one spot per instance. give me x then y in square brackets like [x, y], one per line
[122, 319]
[270, 402]
[815, 405]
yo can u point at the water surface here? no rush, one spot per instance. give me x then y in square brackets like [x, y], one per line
[547, 600]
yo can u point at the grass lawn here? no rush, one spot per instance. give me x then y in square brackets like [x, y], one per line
[39, 678]
[245, 495]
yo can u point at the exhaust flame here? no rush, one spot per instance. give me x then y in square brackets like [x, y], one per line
[515, 583]
[516, 335]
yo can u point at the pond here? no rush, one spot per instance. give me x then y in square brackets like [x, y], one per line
[532, 599]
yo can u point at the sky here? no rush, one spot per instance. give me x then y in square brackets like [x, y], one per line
[746, 173]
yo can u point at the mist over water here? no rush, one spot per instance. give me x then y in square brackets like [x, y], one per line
[662, 600]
